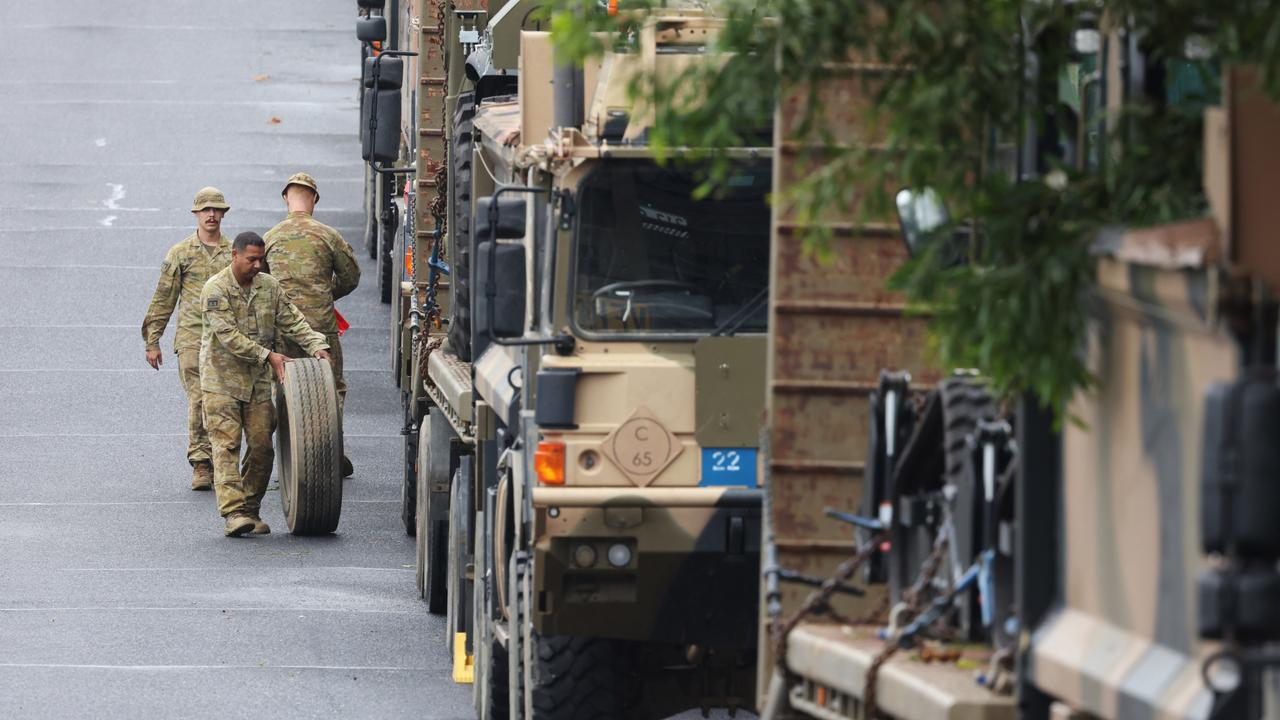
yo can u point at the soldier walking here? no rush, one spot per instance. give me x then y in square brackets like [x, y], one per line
[186, 268]
[315, 266]
[245, 313]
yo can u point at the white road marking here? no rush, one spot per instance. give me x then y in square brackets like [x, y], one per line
[108, 220]
[100, 142]
[117, 194]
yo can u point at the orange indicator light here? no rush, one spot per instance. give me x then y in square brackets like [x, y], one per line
[548, 462]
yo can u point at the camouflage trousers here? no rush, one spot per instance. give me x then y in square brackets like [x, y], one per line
[289, 349]
[197, 439]
[240, 483]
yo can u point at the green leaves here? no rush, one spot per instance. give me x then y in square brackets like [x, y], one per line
[951, 117]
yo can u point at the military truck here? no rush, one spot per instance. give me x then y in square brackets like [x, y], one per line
[1117, 568]
[582, 362]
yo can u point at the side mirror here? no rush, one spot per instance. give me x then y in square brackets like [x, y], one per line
[380, 126]
[921, 215]
[385, 72]
[503, 218]
[371, 29]
[380, 111]
[500, 276]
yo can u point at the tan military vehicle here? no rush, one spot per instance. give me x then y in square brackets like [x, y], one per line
[583, 367]
[1117, 569]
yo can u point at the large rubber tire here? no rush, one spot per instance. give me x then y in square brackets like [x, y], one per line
[432, 532]
[396, 326]
[496, 698]
[460, 260]
[422, 491]
[965, 401]
[409, 485]
[386, 242]
[517, 587]
[578, 678]
[370, 211]
[460, 519]
[309, 448]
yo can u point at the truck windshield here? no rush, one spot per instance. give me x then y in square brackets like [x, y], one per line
[651, 259]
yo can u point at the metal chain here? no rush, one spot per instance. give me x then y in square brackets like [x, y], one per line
[820, 599]
[912, 598]
[440, 203]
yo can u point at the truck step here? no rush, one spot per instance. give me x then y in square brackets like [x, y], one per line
[452, 377]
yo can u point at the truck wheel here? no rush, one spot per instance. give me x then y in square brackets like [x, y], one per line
[409, 485]
[422, 490]
[433, 512]
[517, 586]
[309, 447]
[460, 501]
[495, 703]
[965, 402]
[370, 209]
[578, 678]
[460, 262]
[384, 264]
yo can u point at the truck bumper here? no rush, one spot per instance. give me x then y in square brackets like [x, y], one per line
[675, 565]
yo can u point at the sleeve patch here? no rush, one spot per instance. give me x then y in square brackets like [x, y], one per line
[164, 266]
[212, 303]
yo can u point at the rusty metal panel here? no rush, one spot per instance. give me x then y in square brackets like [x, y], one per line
[848, 342]
[833, 326]
[801, 276]
[816, 431]
[429, 37]
[1255, 167]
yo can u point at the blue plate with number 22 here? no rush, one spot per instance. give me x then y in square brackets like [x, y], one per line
[728, 466]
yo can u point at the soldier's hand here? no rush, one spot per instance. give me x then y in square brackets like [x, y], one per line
[322, 355]
[277, 363]
[155, 359]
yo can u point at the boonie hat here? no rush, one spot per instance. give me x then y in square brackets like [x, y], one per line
[209, 197]
[304, 180]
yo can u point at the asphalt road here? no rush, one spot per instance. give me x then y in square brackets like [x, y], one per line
[119, 596]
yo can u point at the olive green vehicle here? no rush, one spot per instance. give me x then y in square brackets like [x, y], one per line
[581, 354]
[1118, 568]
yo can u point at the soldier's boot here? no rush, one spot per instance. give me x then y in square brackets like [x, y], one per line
[260, 527]
[347, 468]
[202, 476]
[238, 524]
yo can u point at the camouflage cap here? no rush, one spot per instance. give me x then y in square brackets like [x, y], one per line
[304, 180]
[209, 197]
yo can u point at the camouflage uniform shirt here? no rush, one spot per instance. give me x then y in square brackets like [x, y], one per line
[240, 328]
[186, 268]
[314, 265]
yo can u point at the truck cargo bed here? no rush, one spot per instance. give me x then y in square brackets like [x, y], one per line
[833, 662]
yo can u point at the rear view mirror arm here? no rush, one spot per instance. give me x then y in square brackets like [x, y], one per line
[563, 343]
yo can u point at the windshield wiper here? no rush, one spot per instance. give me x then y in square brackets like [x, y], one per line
[734, 321]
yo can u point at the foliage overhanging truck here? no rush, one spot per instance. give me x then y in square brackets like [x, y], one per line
[991, 565]
[581, 353]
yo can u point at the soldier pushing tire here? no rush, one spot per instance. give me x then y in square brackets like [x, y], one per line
[309, 447]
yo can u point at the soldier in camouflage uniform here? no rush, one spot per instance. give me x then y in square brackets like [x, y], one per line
[245, 314]
[186, 268]
[315, 266]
